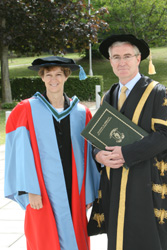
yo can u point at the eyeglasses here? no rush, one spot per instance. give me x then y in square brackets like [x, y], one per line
[126, 58]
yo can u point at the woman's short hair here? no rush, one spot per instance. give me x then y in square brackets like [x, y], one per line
[67, 71]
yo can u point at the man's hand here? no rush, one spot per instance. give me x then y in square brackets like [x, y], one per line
[35, 201]
[112, 158]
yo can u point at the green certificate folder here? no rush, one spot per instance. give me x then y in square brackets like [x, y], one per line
[109, 127]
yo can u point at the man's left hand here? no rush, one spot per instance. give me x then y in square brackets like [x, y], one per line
[116, 153]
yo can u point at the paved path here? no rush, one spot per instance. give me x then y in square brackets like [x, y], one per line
[12, 219]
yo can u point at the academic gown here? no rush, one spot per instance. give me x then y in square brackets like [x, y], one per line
[62, 130]
[145, 218]
[33, 165]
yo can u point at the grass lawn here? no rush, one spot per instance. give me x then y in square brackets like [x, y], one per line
[18, 68]
[2, 127]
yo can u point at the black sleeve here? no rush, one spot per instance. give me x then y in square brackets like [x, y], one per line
[21, 192]
[94, 153]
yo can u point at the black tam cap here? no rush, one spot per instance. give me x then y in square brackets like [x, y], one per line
[139, 43]
[54, 61]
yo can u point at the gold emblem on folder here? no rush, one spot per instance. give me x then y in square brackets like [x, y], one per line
[116, 135]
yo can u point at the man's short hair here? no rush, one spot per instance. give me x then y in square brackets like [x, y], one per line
[116, 44]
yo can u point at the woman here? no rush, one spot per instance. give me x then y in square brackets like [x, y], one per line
[49, 169]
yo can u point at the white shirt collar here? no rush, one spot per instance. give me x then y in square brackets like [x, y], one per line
[130, 84]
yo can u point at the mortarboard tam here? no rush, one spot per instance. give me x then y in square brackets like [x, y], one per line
[139, 43]
[57, 61]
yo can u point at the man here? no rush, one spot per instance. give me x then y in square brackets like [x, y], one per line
[49, 170]
[134, 180]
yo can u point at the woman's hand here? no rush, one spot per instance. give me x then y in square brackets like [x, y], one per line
[35, 201]
[89, 206]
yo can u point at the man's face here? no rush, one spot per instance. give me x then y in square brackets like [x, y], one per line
[124, 62]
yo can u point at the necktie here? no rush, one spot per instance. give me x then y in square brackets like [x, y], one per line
[122, 97]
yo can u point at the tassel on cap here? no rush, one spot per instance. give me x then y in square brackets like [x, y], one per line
[151, 70]
[82, 74]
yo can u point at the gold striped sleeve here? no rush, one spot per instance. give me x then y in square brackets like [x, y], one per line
[157, 121]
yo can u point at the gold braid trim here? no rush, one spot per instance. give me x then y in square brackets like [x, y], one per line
[102, 99]
[108, 172]
[158, 121]
[160, 189]
[99, 218]
[99, 195]
[121, 211]
[165, 102]
[142, 101]
[162, 166]
[161, 215]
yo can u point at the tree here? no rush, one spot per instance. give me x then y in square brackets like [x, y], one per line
[145, 19]
[34, 25]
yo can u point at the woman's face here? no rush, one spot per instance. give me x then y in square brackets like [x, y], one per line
[54, 80]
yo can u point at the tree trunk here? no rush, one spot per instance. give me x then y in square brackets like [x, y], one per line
[6, 88]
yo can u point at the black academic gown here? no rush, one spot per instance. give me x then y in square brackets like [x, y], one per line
[142, 228]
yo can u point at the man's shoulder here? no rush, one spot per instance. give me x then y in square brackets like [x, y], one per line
[109, 92]
[147, 80]
[158, 89]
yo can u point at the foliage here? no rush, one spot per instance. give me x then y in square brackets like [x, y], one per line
[142, 18]
[34, 26]
[95, 52]
[23, 88]
[8, 105]
[85, 90]
[37, 25]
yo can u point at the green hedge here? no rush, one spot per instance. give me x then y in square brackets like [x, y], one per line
[23, 88]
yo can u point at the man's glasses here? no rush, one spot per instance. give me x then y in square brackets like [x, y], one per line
[126, 58]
